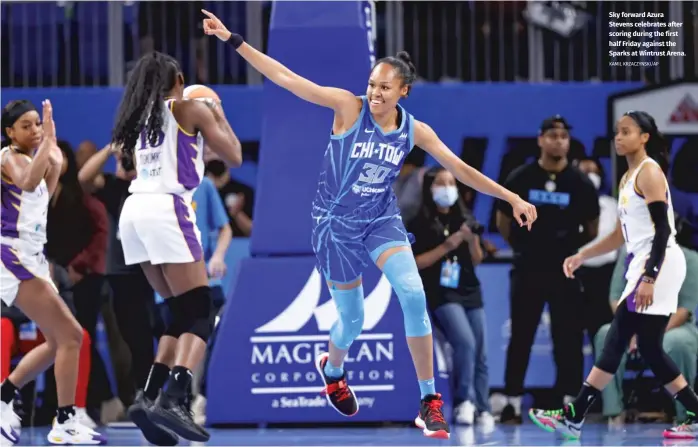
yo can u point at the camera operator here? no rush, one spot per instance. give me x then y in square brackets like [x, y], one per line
[447, 247]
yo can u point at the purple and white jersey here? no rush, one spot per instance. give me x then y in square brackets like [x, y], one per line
[23, 212]
[174, 165]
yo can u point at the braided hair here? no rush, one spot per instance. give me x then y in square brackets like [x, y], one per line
[143, 104]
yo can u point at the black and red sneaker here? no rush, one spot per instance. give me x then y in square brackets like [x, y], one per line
[431, 419]
[340, 395]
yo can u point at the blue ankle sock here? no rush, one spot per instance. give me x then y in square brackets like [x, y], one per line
[334, 372]
[425, 387]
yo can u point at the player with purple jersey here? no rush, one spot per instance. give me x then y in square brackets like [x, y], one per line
[31, 165]
[160, 135]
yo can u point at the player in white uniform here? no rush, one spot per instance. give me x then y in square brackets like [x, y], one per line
[29, 179]
[160, 135]
[656, 270]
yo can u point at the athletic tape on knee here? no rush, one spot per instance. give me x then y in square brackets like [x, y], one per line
[350, 321]
[401, 270]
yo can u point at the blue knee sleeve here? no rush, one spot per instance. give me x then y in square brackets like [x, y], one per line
[350, 320]
[401, 270]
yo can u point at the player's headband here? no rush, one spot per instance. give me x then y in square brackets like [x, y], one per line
[11, 115]
[641, 119]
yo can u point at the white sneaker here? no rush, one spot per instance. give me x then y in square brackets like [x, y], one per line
[10, 424]
[465, 413]
[73, 431]
[85, 418]
[198, 407]
[486, 421]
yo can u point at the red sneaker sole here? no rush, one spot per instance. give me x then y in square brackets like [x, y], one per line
[439, 434]
[674, 435]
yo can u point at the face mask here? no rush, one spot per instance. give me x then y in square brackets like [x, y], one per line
[595, 179]
[445, 196]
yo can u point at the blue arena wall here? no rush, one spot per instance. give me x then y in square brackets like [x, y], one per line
[456, 111]
[279, 313]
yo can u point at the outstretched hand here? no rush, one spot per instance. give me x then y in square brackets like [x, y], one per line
[214, 27]
[522, 208]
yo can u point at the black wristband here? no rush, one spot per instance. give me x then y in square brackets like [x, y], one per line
[235, 40]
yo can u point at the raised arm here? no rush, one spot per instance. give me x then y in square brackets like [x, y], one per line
[93, 166]
[26, 172]
[343, 102]
[426, 138]
[209, 119]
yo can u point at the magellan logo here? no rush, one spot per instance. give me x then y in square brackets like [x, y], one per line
[305, 305]
[280, 350]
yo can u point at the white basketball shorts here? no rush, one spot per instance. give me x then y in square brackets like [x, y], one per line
[21, 262]
[160, 229]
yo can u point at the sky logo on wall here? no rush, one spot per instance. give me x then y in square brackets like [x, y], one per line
[284, 349]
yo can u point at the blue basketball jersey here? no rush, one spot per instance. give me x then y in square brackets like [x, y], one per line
[360, 165]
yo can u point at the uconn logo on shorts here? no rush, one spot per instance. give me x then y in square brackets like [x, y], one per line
[283, 349]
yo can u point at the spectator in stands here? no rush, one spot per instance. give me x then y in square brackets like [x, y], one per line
[566, 201]
[77, 232]
[408, 185]
[237, 197]
[680, 339]
[212, 221]
[19, 335]
[596, 272]
[447, 248]
[133, 298]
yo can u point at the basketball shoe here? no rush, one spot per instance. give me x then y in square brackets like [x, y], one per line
[153, 433]
[559, 421]
[340, 395]
[687, 430]
[431, 418]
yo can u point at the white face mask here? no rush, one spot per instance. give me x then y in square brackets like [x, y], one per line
[595, 179]
[445, 196]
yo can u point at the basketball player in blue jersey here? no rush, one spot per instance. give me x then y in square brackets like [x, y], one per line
[31, 166]
[355, 213]
[656, 268]
[160, 135]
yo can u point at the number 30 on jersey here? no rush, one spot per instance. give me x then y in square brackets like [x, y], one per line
[373, 173]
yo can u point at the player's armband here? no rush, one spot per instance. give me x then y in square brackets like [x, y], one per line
[662, 231]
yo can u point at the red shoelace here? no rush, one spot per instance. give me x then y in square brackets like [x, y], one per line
[338, 390]
[434, 412]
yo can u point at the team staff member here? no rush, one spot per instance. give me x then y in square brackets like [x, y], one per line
[567, 219]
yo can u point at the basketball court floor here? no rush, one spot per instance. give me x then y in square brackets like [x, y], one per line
[525, 435]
